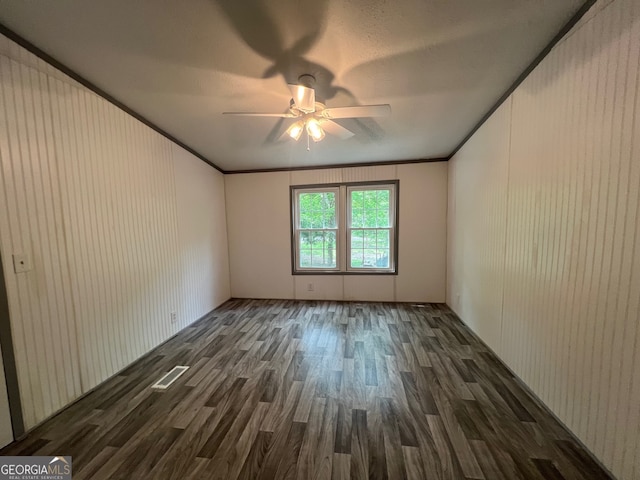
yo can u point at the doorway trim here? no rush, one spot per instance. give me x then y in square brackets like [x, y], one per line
[9, 360]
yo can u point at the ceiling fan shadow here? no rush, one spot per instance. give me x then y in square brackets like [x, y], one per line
[461, 60]
[274, 137]
[283, 36]
[255, 25]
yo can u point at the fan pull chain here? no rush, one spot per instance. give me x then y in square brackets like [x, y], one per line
[308, 145]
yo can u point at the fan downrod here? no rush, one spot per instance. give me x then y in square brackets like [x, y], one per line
[307, 80]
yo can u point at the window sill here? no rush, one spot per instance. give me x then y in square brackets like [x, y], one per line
[321, 272]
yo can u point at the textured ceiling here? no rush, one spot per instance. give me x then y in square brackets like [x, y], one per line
[441, 64]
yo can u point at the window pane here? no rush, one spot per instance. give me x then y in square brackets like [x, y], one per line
[383, 199]
[370, 218]
[317, 258]
[370, 208]
[383, 239]
[356, 217]
[305, 249]
[357, 239]
[356, 258]
[370, 257]
[309, 201]
[370, 200]
[316, 218]
[329, 209]
[382, 260]
[369, 238]
[317, 210]
[330, 239]
[305, 219]
[304, 200]
[330, 256]
[318, 249]
[357, 199]
[383, 218]
[305, 258]
[370, 248]
[330, 219]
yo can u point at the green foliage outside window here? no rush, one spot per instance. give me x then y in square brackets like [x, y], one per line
[369, 216]
[317, 212]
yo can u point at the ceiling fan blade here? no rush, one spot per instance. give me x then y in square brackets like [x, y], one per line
[258, 114]
[357, 111]
[304, 98]
[333, 128]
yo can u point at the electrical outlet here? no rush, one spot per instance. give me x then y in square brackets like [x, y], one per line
[309, 287]
[174, 317]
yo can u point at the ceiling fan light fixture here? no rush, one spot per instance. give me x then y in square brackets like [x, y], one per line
[314, 130]
[295, 130]
[315, 117]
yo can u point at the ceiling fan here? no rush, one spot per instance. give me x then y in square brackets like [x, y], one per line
[315, 117]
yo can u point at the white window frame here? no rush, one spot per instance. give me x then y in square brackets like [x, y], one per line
[343, 230]
[297, 229]
[391, 187]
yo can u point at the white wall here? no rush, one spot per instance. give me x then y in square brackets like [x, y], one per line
[476, 228]
[109, 213]
[544, 240]
[258, 213]
[202, 237]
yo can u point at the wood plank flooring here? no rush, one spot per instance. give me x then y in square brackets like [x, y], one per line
[315, 390]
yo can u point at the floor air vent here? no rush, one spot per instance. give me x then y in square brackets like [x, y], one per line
[169, 377]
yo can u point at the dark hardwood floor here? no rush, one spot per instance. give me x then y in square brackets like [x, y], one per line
[327, 390]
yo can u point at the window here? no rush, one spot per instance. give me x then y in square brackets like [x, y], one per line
[317, 229]
[346, 228]
[369, 228]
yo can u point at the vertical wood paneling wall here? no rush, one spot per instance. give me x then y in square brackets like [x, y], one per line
[202, 237]
[544, 241]
[91, 196]
[476, 228]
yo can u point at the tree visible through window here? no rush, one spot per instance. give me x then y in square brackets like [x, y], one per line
[345, 228]
[318, 228]
[370, 227]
